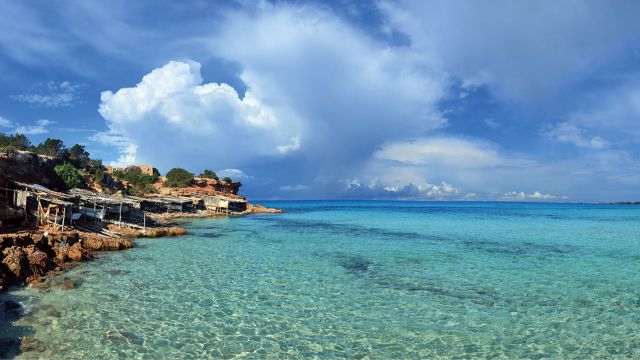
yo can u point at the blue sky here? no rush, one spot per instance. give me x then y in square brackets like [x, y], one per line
[434, 100]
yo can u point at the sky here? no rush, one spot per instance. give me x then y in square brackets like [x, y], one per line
[408, 99]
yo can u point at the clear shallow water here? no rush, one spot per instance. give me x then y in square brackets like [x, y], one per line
[361, 279]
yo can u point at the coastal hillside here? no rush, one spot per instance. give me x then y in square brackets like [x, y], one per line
[54, 165]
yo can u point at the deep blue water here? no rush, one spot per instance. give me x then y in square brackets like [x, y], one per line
[361, 280]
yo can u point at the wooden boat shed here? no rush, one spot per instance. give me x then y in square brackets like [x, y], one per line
[49, 207]
[225, 204]
[108, 208]
[165, 203]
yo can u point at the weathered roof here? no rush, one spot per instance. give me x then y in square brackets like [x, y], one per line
[45, 193]
[170, 199]
[141, 199]
[95, 197]
[230, 199]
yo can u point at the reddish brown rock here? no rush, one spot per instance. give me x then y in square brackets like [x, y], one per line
[76, 252]
[92, 243]
[35, 280]
[38, 258]
[16, 262]
[27, 256]
[101, 243]
[60, 251]
[118, 244]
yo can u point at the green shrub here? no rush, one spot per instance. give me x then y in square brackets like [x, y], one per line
[79, 156]
[139, 179]
[69, 174]
[178, 177]
[208, 174]
[52, 147]
[95, 163]
[118, 174]
[14, 142]
[141, 190]
[98, 175]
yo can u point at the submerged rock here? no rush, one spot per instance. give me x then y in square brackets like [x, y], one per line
[124, 336]
[3, 279]
[354, 263]
[35, 280]
[11, 305]
[69, 284]
[28, 343]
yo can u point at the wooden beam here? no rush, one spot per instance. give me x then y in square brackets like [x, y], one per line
[64, 215]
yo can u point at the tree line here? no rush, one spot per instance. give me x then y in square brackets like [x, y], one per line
[76, 162]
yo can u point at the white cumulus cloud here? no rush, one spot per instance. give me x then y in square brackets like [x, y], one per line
[380, 189]
[350, 92]
[171, 112]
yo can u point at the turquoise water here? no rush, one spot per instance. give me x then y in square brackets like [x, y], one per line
[360, 280]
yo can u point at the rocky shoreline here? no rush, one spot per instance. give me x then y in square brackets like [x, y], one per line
[37, 258]
[251, 209]
[32, 257]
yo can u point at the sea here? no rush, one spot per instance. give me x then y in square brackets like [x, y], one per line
[356, 280]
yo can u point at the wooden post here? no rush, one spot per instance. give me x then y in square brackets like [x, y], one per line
[26, 216]
[64, 215]
[39, 217]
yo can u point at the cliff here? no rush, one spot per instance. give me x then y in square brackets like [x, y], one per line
[202, 187]
[30, 168]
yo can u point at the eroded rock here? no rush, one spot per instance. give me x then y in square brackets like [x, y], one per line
[78, 253]
[16, 262]
[38, 258]
[28, 257]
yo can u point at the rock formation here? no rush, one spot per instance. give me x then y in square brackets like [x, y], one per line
[26, 257]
